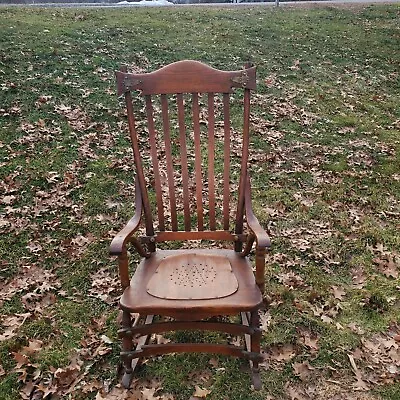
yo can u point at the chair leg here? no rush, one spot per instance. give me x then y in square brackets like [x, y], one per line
[127, 345]
[255, 348]
[130, 364]
[253, 344]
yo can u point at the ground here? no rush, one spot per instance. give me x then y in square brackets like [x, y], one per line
[325, 169]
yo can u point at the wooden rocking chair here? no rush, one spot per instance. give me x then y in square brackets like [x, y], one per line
[190, 286]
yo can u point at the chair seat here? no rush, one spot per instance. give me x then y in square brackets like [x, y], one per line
[160, 284]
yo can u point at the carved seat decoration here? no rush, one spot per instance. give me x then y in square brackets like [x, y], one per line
[191, 276]
[179, 198]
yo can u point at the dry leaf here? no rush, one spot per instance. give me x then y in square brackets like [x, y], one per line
[311, 341]
[106, 339]
[214, 362]
[338, 292]
[295, 393]
[355, 328]
[265, 320]
[34, 346]
[160, 339]
[303, 370]
[200, 392]
[148, 394]
[282, 352]
[21, 359]
[65, 376]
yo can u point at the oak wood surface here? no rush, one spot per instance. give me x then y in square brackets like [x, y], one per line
[198, 162]
[154, 158]
[211, 155]
[193, 276]
[168, 158]
[227, 156]
[184, 160]
[246, 298]
[186, 77]
[160, 327]
[228, 350]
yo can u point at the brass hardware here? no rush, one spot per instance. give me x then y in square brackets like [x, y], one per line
[147, 239]
[130, 83]
[241, 80]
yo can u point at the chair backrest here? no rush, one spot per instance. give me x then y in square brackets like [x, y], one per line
[182, 142]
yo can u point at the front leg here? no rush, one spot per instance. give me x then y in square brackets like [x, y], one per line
[127, 345]
[255, 348]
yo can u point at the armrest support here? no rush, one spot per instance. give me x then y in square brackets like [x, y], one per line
[118, 244]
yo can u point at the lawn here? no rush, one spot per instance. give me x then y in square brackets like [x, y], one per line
[326, 177]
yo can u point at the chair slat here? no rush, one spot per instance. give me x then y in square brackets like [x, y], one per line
[168, 157]
[197, 153]
[184, 161]
[211, 155]
[227, 149]
[153, 151]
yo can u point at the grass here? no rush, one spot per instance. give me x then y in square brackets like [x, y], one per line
[325, 183]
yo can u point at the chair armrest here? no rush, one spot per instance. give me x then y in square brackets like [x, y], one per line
[118, 244]
[261, 237]
[258, 234]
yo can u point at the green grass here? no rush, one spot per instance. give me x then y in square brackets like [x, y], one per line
[325, 182]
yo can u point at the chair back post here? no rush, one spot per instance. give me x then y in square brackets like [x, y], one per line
[243, 167]
[138, 164]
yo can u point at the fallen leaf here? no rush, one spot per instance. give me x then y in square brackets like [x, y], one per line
[326, 319]
[290, 279]
[303, 370]
[200, 392]
[265, 320]
[106, 339]
[148, 394]
[214, 362]
[282, 352]
[21, 359]
[295, 393]
[34, 346]
[8, 199]
[355, 328]
[160, 339]
[65, 376]
[338, 292]
[387, 266]
[311, 341]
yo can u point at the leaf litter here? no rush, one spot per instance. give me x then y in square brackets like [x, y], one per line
[46, 215]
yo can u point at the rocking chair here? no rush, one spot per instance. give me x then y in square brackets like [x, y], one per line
[189, 288]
